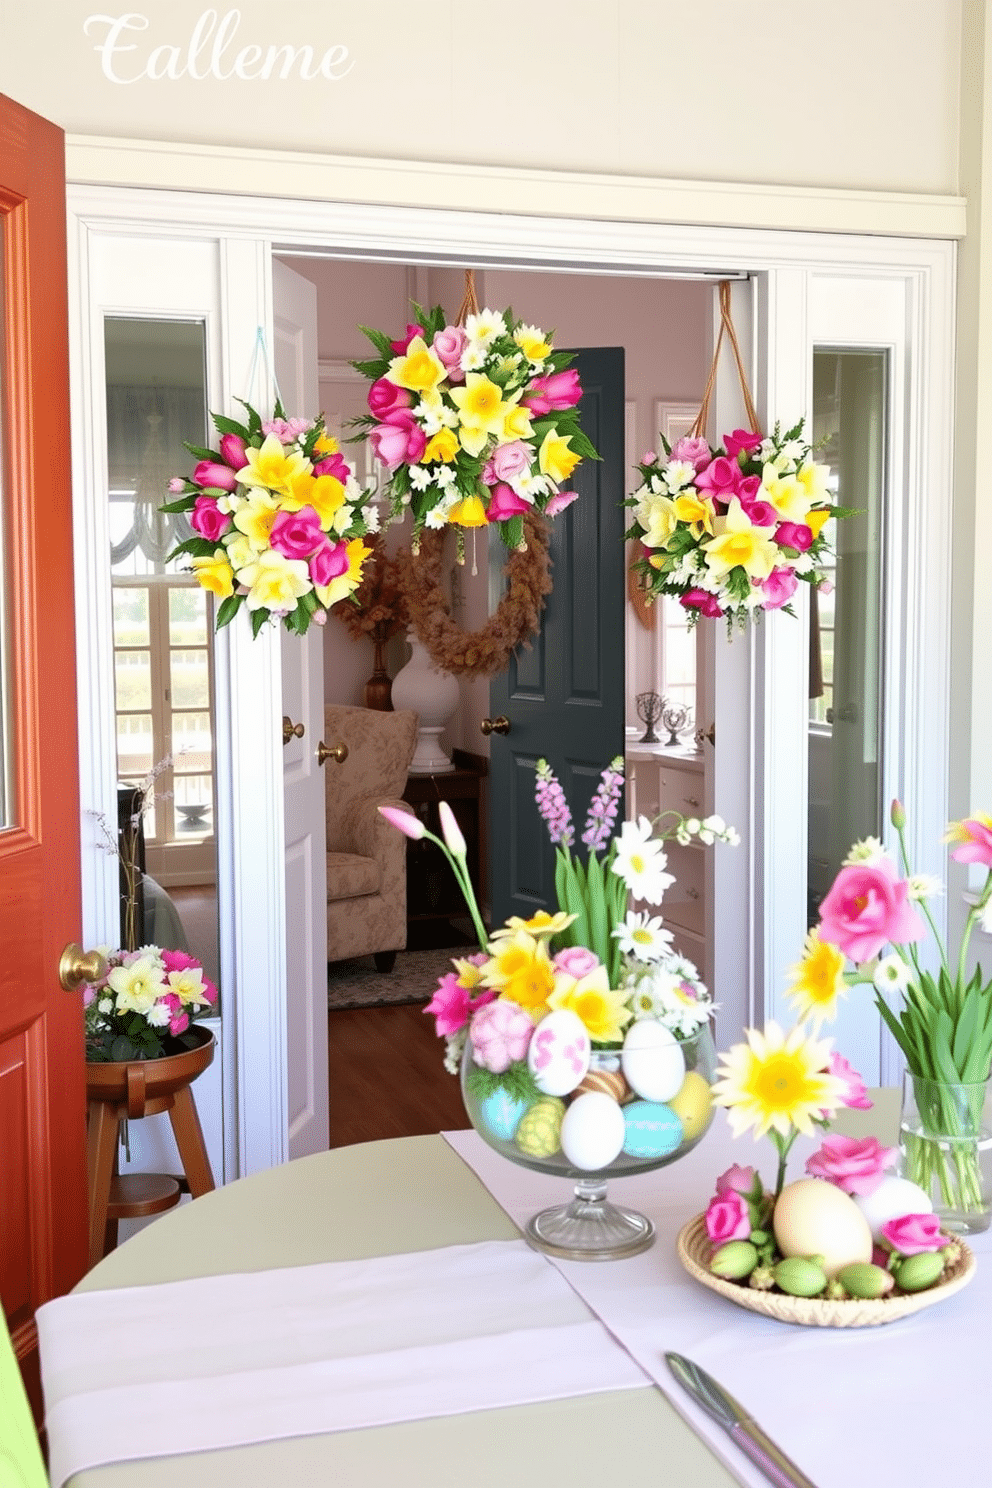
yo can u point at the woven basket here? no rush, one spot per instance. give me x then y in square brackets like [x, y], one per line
[695, 1249]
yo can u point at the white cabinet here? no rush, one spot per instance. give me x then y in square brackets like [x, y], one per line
[660, 779]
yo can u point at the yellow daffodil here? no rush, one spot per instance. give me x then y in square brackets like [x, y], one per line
[468, 974]
[657, 515]
[777, 1082]
[480, 403]
[274, 582]
[342, 586]
[696, 511]
[325, 444]
[539, 924]
[469, 512]
[272, 467]
[239, 550]
[137, 987]
[520, 969]
[813, 478]
[296, 492]
[815, 519]
[255, 518]
[604, 1012]
[555, 459]
[517, 424]
[187, 984]
[420, 369]
[787, 494]
[325, 495]
[215, 574]
[818, 979]
[739, 544]
[442, 446]
[532, 343]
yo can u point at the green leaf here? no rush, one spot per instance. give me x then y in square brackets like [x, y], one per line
[900, 1035]
[582, 445]
[227, 610]
[185, 504]
[258, 619]
[380, 341]
[595, 898]
[230, 426]
[372, 370]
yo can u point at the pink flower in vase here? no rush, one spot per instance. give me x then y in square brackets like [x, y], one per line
[727, 1218]
[868, 906]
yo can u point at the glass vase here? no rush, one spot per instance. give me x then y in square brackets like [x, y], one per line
[945, 1143]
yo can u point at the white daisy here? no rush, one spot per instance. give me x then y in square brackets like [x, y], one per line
[868, 850]
[985, 917]
[372, 518]
[891, 974]
[643, 937]
[438, 515]
[527, 485]
[483, 329]
[679, 474]
[924, 886]
[640, 862]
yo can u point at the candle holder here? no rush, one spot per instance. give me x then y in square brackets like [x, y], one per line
[675, 718]
[649, 711]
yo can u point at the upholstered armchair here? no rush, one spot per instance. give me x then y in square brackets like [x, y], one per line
[366, 858]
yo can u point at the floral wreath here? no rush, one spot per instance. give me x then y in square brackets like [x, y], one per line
[485, 652]
[475, 422]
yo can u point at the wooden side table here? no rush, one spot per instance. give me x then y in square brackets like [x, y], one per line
[432, 892]
[129, 1091]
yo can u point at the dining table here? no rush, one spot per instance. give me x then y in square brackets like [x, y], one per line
[372, 1315]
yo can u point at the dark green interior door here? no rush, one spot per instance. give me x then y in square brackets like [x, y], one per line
[564, 697]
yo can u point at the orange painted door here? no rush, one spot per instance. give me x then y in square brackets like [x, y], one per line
[42, 1076]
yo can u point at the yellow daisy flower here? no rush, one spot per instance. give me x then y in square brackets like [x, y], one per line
[603, 1011]
[818, 979]
[777, 1082]
[532, 342]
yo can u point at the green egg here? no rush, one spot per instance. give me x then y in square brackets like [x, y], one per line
[539, 1132]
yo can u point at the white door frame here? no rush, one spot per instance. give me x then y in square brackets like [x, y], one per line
[244, 232]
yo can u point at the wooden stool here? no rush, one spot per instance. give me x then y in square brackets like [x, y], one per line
[144, 1087]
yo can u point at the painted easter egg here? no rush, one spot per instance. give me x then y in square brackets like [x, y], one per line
[650, 1130]
[652, 1060]
[500, 1113]
[815, 1218]
[539, 1132]
[592, 1132]
[558, 1054]
[893, 1198]
[607, 1081]
[693, 1105]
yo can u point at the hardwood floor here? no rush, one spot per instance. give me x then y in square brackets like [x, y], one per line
[387, 1076]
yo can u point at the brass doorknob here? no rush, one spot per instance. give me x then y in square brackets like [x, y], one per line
[291, 730]
[500, 725]
[78, 967]
[339, 753]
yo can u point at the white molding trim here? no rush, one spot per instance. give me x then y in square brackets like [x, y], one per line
[674, 420]
[168, 165]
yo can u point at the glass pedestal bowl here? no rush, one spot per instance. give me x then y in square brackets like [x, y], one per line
[654, 1134]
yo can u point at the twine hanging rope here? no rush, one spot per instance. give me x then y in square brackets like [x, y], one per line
[698, 430]
[262, 368]
[469, 304]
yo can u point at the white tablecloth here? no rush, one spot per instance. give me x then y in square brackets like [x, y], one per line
[902, 1405]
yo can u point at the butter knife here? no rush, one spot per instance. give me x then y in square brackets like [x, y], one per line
[737, 1423]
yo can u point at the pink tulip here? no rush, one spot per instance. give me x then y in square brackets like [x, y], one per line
[212, 473]
[412, 331]
[404, 821]
[695, 452]
[451, 1005]
[385, 396]
[208, 520]
[700, 599]
[575, 961]
[177, 485]
[735, 1180]
[741, 439]
[329, 562]
[297, 534]
[505, 503]
[398, 439]
[868, 906]
[232, 447]
[559, 501]
[855, 1165]
[553, 393]
[778, 588]
[449, 343]
[978, 845]
[335, 465]
[728, 1218]
[911, 1234]
[722, 479]
[794, 535]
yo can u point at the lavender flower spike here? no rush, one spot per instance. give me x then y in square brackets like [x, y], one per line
[552, 805]
[604, 805]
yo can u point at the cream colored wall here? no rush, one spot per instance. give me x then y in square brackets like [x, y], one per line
[861, 93]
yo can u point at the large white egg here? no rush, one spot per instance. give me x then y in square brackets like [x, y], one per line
[558, 1053]
[815, 1218]
[652, 1060]
[593, 1131]
[893, 1198]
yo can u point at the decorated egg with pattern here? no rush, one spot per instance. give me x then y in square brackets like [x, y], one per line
[693, 1105]
[558, 1054]
[539, 1132]
[652, 1060]
[501, 1113]
[606, 1081]
[650, 1129]
[592, 1133]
